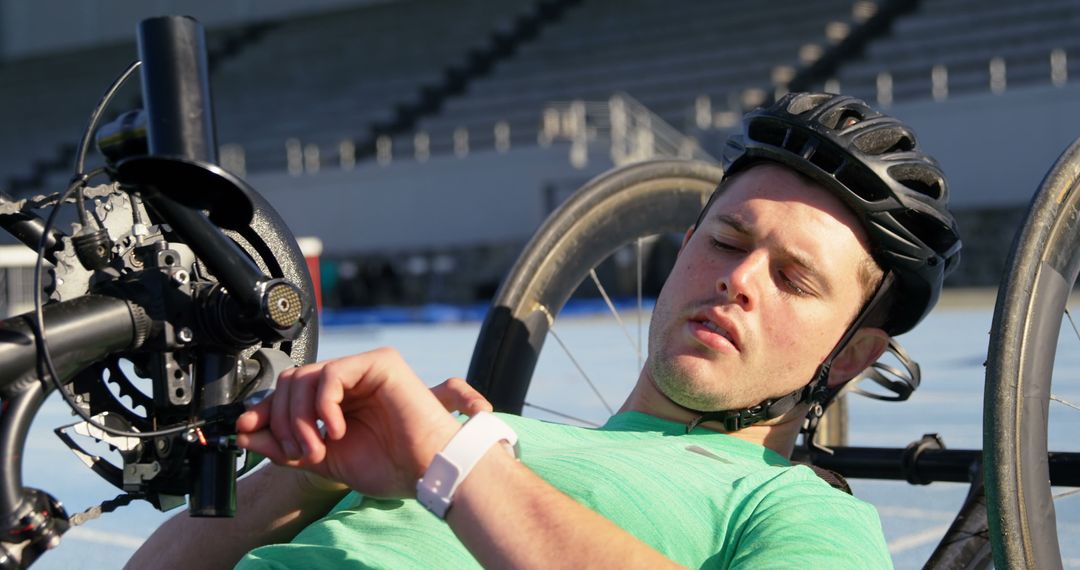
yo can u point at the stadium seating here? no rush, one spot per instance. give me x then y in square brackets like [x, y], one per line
[963, 37]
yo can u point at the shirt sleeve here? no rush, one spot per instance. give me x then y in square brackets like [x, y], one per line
[797, 519]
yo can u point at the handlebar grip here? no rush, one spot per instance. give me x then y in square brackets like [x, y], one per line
[176, 88]
[79, 332]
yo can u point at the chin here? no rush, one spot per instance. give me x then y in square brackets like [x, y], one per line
[688, 387]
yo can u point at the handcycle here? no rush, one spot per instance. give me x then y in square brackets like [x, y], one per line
[186, 299]
[179, 295]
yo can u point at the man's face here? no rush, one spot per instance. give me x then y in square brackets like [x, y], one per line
[760, 294]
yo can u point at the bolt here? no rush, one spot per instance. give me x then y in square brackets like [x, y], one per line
[185, 335]
[179, 277]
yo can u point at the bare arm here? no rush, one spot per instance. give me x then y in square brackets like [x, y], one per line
[508, 517]
[382, 430]
[273, 505]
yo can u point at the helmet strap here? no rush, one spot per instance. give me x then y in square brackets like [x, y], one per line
[816, 392]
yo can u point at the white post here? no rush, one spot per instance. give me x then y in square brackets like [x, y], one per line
[884, 89]
[311, 158]
[939, 81]
[421, 146]
[384, 150]
[461, 142]
[294, 157]
[502, 137]
[347, 154]
[1059, 67]
[997, 75]
[618, 119]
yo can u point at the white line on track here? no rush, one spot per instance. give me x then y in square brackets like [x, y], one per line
[915, 513]
[99, 537]
[917, 539]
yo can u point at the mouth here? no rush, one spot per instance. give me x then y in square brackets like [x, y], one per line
[716, 333]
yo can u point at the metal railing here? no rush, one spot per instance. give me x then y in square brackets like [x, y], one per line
[632, 132]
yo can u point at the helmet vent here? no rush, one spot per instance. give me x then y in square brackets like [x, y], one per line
[840, 119]
[795, 141]
[918, 178]
[827, 161]
[863, 183]
[767, 133]
[929, 230]
[804, 102]
[885, 141]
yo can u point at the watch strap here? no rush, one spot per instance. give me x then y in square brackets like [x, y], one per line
[435, 490]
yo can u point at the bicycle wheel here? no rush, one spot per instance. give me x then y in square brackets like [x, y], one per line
[1043, 267]
[610, 211]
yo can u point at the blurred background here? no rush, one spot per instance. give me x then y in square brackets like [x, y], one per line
[416, 145]
[422, 141]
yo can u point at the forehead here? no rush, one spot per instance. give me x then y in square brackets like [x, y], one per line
[794, 214]
[769, 188]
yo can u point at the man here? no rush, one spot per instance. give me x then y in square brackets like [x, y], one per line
[828, 234]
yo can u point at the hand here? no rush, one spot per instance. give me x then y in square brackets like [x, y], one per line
[382, 425]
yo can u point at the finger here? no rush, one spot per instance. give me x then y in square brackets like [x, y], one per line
[456, 395]
[263, 442]
[257, 418]
[280, 416]
[328, 399]
[303, 419]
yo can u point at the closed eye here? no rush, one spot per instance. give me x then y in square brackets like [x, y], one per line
[792, 286]
[725, 247]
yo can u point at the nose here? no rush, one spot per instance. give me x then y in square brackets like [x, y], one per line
[739, 284]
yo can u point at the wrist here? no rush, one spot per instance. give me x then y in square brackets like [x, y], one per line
[435, 440]
[451, 466]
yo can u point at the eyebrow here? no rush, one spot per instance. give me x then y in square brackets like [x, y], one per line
[804, 262]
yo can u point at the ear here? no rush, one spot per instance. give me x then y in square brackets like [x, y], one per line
[686, 238]
[866, 346]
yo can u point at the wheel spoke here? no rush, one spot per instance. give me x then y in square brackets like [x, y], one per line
[611, 307]
[561, 415]
[580, 369]
[1073, 323]
[1060, 400]
[1066, 494]
[639, 304]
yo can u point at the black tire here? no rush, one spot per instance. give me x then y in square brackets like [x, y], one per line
[610, 211]
[1043, 267]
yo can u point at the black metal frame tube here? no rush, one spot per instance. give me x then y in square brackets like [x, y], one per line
[15, 423]
[213, 492]
[931, 465]
[29, 229]
[176, 92]
[176, 88]
[80, 331]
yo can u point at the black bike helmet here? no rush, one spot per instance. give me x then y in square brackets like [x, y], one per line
[873, 164]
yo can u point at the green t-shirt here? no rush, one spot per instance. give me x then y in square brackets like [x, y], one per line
[703, 499]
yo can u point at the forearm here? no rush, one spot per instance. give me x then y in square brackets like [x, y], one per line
[273, 505]
[508, 517]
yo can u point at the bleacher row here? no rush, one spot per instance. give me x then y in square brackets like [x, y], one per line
[310, 83]
[964, 37]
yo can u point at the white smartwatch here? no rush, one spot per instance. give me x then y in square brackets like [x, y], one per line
[435, 490]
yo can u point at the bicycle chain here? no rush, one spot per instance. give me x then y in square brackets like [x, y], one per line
[105, 507]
